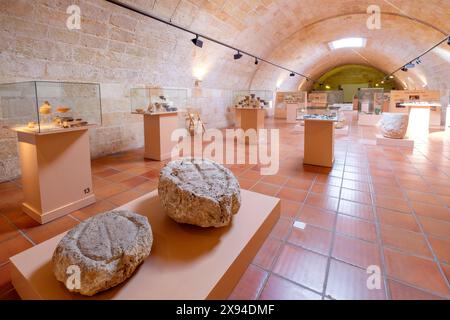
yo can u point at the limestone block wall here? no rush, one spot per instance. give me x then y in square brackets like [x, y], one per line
[119, 50]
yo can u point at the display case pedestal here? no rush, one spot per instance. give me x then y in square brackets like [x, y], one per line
[56, 172]
[251, 118]
[186, 262]
[319, 143]
[291, 112]
[158, 128]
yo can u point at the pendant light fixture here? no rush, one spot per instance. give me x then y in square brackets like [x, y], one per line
[238, 55]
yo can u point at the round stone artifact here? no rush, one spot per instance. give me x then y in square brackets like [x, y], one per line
[102, 251]
[394, 125]
[199, 192]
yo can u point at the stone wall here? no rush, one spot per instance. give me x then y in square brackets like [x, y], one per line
[117, 49]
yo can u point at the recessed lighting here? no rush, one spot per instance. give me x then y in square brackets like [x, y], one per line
[327, 87]
[347, 43]
[391, 77]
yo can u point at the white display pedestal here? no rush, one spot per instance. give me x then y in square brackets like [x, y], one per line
[291, 112]
[365, 119]
[56, 172]
[401, 143]
[419, 122]
[186, 262]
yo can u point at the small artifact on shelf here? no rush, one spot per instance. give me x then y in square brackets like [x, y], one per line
[139, 110]
[32, 125]
[62, 109]
[251, 101]
[46, 108]
[151, 108]
[199, 192]
[106, 249]
[394, 125]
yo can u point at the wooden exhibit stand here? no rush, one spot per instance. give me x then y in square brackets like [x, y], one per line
[158, 128]
[319, 142]
[56, 172]
[251, 118]
[291, 112]
[186, 262]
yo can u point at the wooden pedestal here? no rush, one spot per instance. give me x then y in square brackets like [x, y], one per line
[158, 128]
[186, 262]
[319, 143]
[56, 172]
[291, 112]
[251, 118]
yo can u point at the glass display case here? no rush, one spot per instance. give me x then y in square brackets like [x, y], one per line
[157, 100]
[47, 106]
[370, 100]
[253, 99]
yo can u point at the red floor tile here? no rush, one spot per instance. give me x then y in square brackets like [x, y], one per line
[93, 209]
[357, 210]
[312, 238]
[419, 272]
[392, 204]
[289, 209]
[302, 266]
[397, 219]
[267, 253]
[13, 246]
[356, 185]
[356, 252]
[299, 183]
[346, 282]
[423, 197]
[401, 291]
[7, 229]
[5, 279]
[355, 227]
[441, 248]
[133, 182]
[250, 284]
[275, 179]
[356, 196]
[281, 229]
[280, 289]
[436, 212]
[323, 202]
[317, 217]
[266, 188]
[326, 190]
[404, 240]
[46, 231]
[292, 194]
[435, 227]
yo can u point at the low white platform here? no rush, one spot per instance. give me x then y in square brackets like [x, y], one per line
[368, 119]
[401, 143]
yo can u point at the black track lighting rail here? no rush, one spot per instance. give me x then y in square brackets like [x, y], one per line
[418, 60]
[199, 35]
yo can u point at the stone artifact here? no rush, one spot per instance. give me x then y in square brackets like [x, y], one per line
[46, 108]
[62, 109]
[251, 101]
[140, 110]
[106, 248]
[199, 192]
[394, 125]
[151, 108]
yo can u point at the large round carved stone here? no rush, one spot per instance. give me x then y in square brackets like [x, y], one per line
[199, 192]
[105, 250]
[394, 125]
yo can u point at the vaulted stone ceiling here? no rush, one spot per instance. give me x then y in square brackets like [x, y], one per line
[295, 33]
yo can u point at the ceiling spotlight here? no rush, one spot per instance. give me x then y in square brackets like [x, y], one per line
[197, 42]
[292, 74]
[256, 61]
[382, 82]
[237, 56]
[391, 77]
[410, 65]
[418, 61]
[448, 41]
[404, 69]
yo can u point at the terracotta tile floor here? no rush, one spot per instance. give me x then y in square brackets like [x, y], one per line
[380, 206]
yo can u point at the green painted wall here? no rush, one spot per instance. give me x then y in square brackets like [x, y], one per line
[348, 76]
